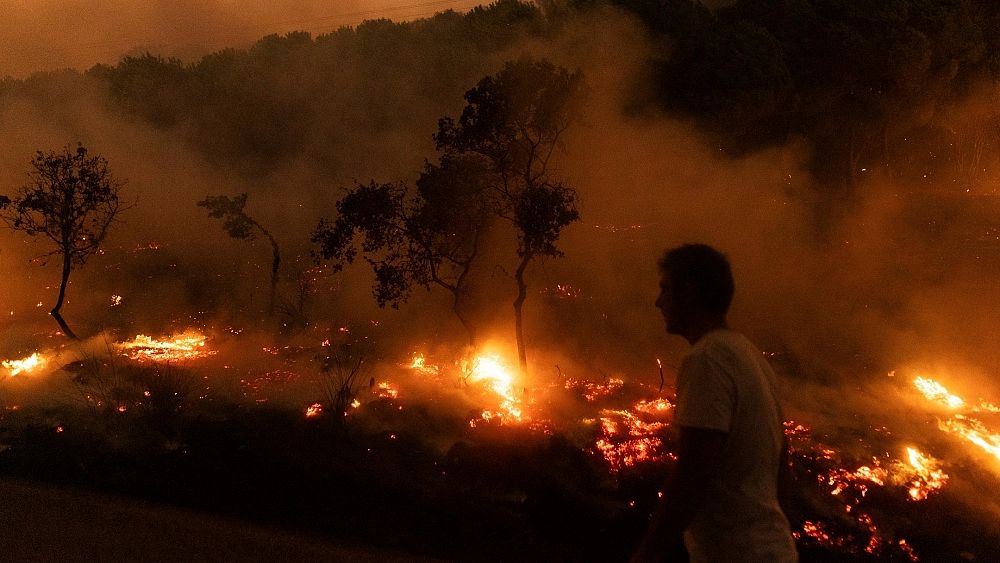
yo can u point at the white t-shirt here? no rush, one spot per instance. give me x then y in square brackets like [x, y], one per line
[726, 384]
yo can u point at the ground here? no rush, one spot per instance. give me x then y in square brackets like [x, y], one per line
[49, 523]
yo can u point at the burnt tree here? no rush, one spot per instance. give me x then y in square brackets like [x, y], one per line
[239, 225]
[71, 199]
[430, 237]
[512, 123]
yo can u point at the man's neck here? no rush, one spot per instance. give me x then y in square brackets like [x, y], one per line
[701, 327]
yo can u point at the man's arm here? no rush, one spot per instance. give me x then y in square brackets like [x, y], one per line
[699, 460]
[786, 478]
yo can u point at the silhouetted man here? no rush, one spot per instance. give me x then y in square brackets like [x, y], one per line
[721, 501]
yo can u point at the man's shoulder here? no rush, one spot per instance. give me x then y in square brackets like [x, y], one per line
[722, 342]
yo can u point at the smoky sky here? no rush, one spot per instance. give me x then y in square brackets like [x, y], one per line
[873, 289]
[55, 34]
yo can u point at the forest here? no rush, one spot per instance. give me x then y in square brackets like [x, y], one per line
[436, 239]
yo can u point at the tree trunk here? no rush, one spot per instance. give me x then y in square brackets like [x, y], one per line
[470, 328]
[67, 266]
[522, 294]
[275, 263]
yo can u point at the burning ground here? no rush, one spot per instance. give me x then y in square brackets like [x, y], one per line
[875, 301]
[438, 452]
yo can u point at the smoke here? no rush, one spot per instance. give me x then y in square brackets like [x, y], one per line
[895, 280]
[55, 34]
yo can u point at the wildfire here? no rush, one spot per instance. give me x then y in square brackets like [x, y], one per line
[314, 410]
[971, 429]
[937, 393]
[386, 390]
[974, 431]
[490, 370]
[189, 345]
[25, 365]
[927, 475]
[420, 365]
[593, 391]
[627, 439]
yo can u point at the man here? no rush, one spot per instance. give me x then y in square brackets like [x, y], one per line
[721, 502]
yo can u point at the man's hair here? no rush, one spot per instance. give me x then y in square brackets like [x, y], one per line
[705, 271]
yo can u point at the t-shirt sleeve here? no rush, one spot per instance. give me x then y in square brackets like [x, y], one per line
[705, 395]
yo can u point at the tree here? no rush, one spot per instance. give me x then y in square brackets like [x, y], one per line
[239, 225]
[428, 238]
[512, 123]
[71, 199]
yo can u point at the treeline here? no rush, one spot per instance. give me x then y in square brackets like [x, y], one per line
[875, 87]
[878, 87]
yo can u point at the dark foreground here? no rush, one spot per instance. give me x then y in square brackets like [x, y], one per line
[50, 523]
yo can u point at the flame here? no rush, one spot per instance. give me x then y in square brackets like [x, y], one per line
[420, 365]
[188, 345]
[314, 410]
[928, 477]
[937, 393]
[975, 432]
[971, 429]
[25, 365]
[490, 370]
[387, 391]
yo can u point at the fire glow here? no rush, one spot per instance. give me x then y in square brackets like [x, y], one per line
[188, 345]
[627, 439]
[970, 429]
[490, 370]
[25, 365]
[927, 475]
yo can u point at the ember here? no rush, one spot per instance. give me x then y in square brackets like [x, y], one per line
[386, 390]
[928, 477]
[593, 391]
[627, 439]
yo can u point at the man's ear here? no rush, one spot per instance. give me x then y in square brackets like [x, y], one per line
[685, 292]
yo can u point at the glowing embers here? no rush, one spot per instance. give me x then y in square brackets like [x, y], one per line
[419, 364]
[188, 345]
[970, 429]
[490, 371]
[819, 533]
[631, 437]
[919, 476]
[925, 474]
[27, 365]
[593, 391]
[386, 390]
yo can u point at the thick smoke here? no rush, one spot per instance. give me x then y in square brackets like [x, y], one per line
[55, 34]
[884, 284]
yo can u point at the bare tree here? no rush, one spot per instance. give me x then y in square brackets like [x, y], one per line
[71, 199]
[241, 226]
[428, 238]
[513, 122]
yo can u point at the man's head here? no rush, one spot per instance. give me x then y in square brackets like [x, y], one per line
[696, 288]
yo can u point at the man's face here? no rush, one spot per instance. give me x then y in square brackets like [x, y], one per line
[670, 306]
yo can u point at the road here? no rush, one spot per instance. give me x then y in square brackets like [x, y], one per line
[51, 524]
